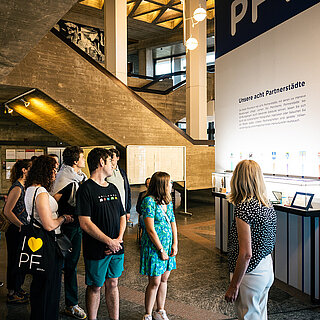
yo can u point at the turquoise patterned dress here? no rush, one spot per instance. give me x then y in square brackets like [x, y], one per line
[150, 262]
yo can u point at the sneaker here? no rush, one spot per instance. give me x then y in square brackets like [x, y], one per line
[17, 298]
[160, 315]
[24, 293]
[147, 317]
[76, 312]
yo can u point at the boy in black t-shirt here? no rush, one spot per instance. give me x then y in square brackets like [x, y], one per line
[103, 220]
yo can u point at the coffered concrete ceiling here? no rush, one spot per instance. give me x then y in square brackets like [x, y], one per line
[146, 18]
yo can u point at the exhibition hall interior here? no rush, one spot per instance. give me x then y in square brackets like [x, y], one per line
[187, 87]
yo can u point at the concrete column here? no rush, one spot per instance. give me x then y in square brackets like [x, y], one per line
[196, 82]
[146, 62]
[115, 22]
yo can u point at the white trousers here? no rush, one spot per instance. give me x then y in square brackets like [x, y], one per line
[251, 303]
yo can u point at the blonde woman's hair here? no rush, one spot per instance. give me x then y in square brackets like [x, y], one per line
[247, 182]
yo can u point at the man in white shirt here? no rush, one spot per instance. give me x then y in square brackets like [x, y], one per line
[120, 180]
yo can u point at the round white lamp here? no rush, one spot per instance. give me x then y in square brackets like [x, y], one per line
[192, 43]
[199, 14]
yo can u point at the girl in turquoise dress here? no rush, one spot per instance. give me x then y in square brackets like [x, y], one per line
[159, 243]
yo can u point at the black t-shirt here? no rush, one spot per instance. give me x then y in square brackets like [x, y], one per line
[65, 207]
[103, 205]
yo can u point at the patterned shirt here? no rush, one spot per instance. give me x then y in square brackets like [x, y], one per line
[263, 225]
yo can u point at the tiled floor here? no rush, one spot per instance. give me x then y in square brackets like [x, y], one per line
[196, 289]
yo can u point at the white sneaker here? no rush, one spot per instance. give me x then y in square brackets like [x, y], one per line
[75, 312]
[147, 317]
[160, 315]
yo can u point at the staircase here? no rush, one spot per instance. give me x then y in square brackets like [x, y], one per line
[83, 88]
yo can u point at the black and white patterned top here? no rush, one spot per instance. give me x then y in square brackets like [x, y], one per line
[263, 225]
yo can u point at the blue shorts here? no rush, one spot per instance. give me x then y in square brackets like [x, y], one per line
[97, 271]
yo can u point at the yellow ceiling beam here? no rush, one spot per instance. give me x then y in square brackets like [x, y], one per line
[146, 7]
[93, 3]
[169, 14]
[171, 24]
[148, 17]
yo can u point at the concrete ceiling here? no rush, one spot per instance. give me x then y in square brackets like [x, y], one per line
[23, 24]
[164, 13]
[148, 20]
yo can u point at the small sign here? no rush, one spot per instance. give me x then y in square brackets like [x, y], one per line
[11, 154]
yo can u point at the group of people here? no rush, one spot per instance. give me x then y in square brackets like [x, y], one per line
[96, 211]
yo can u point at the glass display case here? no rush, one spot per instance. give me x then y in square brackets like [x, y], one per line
[221, 182]
[300, 192]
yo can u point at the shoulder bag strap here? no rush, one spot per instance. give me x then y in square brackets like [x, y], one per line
[32, 220]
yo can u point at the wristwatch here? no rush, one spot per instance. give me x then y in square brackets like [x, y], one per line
[160, 250]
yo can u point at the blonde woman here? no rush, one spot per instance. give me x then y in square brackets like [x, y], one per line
[251, 241]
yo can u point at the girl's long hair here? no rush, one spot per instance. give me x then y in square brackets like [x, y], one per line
[247, 182]
[16, 170]
[159, 188]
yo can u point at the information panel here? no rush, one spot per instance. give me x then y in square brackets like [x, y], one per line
[143, 161]
[267, 90]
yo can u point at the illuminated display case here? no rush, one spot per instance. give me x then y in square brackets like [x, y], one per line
[297, 250]
[281, 189]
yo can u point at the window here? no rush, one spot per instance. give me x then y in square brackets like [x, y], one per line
[163, 66]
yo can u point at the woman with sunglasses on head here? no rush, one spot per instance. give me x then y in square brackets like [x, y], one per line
[14, 210]
[159, 243]
[251, 241]
[45, 291]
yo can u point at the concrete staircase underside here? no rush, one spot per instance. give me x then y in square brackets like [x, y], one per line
[23, 24]
[102, 102]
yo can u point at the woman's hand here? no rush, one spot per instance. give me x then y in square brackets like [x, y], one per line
[174, 250]
[164, 256]
[231, 294]
[68, 218]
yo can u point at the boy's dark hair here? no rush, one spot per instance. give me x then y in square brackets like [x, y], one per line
[41, 172]
[94, 157]
[115, 151]
[71, 154]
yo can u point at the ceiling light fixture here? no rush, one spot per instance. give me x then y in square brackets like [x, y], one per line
[191, 43]
[198, 15]
[26, 103]
[8, 109]
[21, 97]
